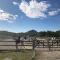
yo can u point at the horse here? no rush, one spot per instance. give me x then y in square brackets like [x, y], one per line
[17, 42]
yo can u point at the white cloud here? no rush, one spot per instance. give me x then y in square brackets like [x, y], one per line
[34, 9]
[1, 11]
[5, 16]
[53, 13]
[15, 3]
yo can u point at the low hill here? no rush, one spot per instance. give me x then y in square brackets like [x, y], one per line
[6, 34]
[31, 33]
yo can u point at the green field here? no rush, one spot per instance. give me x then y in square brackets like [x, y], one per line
[22, 55]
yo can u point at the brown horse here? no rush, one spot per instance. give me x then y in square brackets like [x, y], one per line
[17, 42]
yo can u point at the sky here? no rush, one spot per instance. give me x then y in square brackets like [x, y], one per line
[25, 15]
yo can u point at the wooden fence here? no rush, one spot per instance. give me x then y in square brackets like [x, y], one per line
[34, 44]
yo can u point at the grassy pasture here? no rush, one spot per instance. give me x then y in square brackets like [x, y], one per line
[21, 55]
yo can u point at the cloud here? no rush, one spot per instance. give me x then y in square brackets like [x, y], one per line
[5, 16]
[53, 13]
[34, 9]
[15, 3]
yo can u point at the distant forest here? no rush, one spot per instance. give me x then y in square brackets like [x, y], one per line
[31, 33]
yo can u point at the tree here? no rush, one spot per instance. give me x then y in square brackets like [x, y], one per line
[57, 34]
[42, 34]
[50, 34]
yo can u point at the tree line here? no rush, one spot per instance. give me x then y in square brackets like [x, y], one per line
[31, 33]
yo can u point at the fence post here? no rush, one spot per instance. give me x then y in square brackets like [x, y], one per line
[52, 43]
[57, 44]
[33, 44]
[48, 44]
[43, 44]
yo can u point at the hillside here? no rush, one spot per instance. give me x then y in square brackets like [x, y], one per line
[31, 33]
[6, 34]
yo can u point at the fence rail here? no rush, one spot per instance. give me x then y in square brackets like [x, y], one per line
[34, 44]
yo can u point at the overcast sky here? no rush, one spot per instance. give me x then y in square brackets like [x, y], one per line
[25, 15]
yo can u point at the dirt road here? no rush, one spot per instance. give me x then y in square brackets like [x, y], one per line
[47, 55]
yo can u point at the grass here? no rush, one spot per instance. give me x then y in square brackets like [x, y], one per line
[22, 55]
